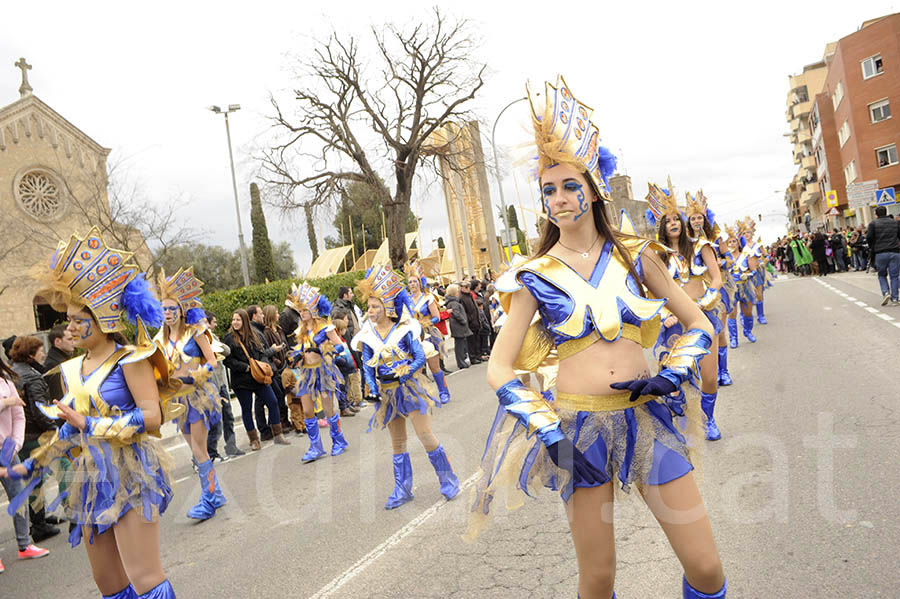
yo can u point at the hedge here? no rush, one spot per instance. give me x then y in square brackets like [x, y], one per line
[224, 303]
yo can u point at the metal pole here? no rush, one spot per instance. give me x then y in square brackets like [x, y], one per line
[237, 208]
[497, 173]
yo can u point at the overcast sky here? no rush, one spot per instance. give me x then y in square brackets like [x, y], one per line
[688, 89]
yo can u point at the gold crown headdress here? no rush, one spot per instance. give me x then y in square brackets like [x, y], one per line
[662, 202]
[696, 204]
[307, 297]
[413, 270]
[732, 231]
[564, 134]
[383, 283]
[185, 289]
[104, 280]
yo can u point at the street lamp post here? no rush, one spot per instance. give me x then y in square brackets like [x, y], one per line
[244, 267]
[497, 173]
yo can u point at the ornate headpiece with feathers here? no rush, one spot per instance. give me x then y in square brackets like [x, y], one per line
[307, 297]
[185, 289]
[413, 270]
[383, 283]
[662, 202]
[104, 280]
[564, 134]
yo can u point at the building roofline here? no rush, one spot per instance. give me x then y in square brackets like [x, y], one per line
[22, 104]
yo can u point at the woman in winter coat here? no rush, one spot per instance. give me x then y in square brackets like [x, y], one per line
[459, 325]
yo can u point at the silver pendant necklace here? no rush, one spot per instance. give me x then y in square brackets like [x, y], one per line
[585, 254]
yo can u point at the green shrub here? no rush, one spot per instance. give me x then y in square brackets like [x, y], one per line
[224, 303]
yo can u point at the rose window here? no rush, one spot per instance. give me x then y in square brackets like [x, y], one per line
[39, 195]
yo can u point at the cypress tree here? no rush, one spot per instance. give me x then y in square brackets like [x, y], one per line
[264, 265]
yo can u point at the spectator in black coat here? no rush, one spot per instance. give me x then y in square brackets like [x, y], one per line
[459, 325]
[473, 340]
[883, 237]
[62, 347]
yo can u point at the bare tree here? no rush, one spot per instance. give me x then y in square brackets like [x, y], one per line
[353, 120]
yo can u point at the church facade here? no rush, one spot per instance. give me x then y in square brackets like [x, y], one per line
[53, 181]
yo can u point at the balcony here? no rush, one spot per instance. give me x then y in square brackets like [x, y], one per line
[809, 163]
[809, 196]
[795, 125]
[801, 109]
[803, 136]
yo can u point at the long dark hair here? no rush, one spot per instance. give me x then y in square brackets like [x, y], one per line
[707, 228]
[8, 373]
[550, 235]
[246, 334]
[685, 247]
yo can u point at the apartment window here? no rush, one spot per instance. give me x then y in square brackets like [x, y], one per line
[880, 111]
[819, 159]
[872, 66]
[886, 156]
[838, 95]
[814, 119]
[850, 172]
[844, 133]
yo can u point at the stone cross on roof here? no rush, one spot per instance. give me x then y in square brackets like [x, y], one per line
[24, 89]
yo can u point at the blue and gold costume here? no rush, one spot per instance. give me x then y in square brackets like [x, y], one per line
[744, 277]
[431, 338]
[200, 397]
[392, 370]
[635, 442]
[319, 381]
[116, 463]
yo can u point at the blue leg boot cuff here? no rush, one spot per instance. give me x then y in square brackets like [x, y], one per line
[724, 375]
[163, 590]
[708, 405]
[402, 482]
[205, 509]
[732, 333]
[760, 314]
[443, 391]
[747, 322]
[338, 442]
[315, 442]
[443, 469]
[126, 593]
[690, 592]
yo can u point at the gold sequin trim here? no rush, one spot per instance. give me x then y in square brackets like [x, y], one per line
[578, 402]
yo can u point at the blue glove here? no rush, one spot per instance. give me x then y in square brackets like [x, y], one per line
[67, 430]
[29, 471]
[658, 385]
[7, 452]
[187, 380]
[567, 457]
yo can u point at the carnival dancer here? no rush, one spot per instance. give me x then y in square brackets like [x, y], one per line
[116, 398]
[590, 287]
[744, 268]
[426, 310]
[729, 304]
[186, 341]
[702, 221]
[317, 375]
[393, 359]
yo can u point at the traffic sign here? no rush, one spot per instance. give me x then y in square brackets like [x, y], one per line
[862, 194]
[833, 212]
[831, 198]
[885, 197]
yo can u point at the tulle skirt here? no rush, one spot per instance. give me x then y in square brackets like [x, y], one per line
[202, 404]
[321, 380]
[746, 291]
[641, 445]
[418, 394]
[433, 341]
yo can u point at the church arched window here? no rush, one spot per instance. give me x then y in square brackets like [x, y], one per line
[40, 193]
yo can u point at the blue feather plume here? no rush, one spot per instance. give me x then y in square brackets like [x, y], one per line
[139, 302]
[194, 315]
[403, 299]
[651, 218]
[607, 163]
[323, 307]
[423, 283]
[711, 217]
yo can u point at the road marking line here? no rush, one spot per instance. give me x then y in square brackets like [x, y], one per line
[365, 561]
[896, 324]
[885, 317]
[851, 299]
[871, 309]
[861, 304]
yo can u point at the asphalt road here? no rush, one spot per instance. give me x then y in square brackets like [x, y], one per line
[802, 490]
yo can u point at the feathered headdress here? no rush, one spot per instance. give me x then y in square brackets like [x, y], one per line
[699, 205]
[662, 202]
[731, 232]
[413, 270]
[185, 289]
[383, 283]
[104, 280]
[307, 297]
[564, 134]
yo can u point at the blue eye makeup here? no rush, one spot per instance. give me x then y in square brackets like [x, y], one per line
[549, 189]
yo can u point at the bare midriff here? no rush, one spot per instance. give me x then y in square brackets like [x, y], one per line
[591, 371]
[312, 359]
[694, 287]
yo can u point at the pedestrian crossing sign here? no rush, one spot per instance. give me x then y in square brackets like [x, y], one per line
[885, 197]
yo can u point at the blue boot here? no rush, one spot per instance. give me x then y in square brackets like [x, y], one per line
[443, 391]
[443, 469]
[206, 508]
[126, 593]
[338, 442]
[760, 315]
[690, 592]
[732, 333]
[747, 322]
[163, 590]
[402, 482]
[315, 442]
[724, 376]
[708, 405]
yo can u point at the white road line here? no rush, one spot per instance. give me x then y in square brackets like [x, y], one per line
[851, 299]
[885, 317]
[896, 324]
[364, 562]
[861, 304]
[872, 310]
